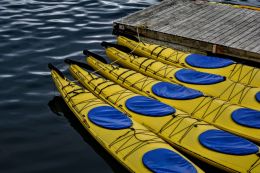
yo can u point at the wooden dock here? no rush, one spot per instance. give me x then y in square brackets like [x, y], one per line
[205, 26]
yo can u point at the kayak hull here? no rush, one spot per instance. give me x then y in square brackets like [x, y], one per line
[180, 130]
[83, 104]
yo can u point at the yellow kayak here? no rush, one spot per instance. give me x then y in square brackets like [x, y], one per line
[237, 6]
[235, 119]
[197, 138]
[133, 145]
[232, 70]
[247, 7]
[210, 84]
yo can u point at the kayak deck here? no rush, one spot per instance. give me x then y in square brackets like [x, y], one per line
[203, 26]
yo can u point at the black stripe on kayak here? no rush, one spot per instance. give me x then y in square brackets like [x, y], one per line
[161, 51]
[155, 49]
[52, 67]
[80, 64]
[140, 66]
[100, 58]
[149, 65]
[119, 47]
[129, 36]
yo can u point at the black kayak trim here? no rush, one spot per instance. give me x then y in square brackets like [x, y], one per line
[80, 64]
[129, 36]
[100, 58]
[119, 47]
[52, 67]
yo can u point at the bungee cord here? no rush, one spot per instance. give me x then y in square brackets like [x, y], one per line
[137, 143]
[148, 80]
[167, 69]
[124, 93]
[176, 121]
[239, 69]
[176, 56]
[130, 139]
[115, 61]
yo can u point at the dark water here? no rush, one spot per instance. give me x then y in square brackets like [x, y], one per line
[32, 34]
[37, 131]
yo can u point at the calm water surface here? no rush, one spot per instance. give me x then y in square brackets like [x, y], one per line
[38, 132]
[33, 33]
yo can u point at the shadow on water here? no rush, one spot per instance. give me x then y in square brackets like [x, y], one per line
[59, 107]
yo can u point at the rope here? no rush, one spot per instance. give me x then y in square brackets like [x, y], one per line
[152, 52]
[238, 68]
[133, 50]
[242, 93]
[70, 96]
[129, 140]
[99, 91]
[167, 69]
[119, 96]
[255, 164]
[145, 81]
[179, 118]
[133, 133]
[219, 109]
[175, 59]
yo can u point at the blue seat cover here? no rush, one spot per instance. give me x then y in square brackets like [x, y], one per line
[196, 77]
[150, 107]
[203, 61]
[163, 160]
[257, 96]
[173, 91]
[227, 143]
[109, 118]
[247, 117]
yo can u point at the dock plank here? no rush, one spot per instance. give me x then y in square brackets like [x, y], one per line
[164, 18]
[216, 29]
[252, 42]
[235, 30]
[204, 26]
[212, 22]
[185, 18]
[198, 23]
[244, 36]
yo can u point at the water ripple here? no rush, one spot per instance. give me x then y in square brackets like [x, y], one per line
[6, 75]
[34, 33]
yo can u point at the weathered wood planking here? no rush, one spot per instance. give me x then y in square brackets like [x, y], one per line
[204, 26]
